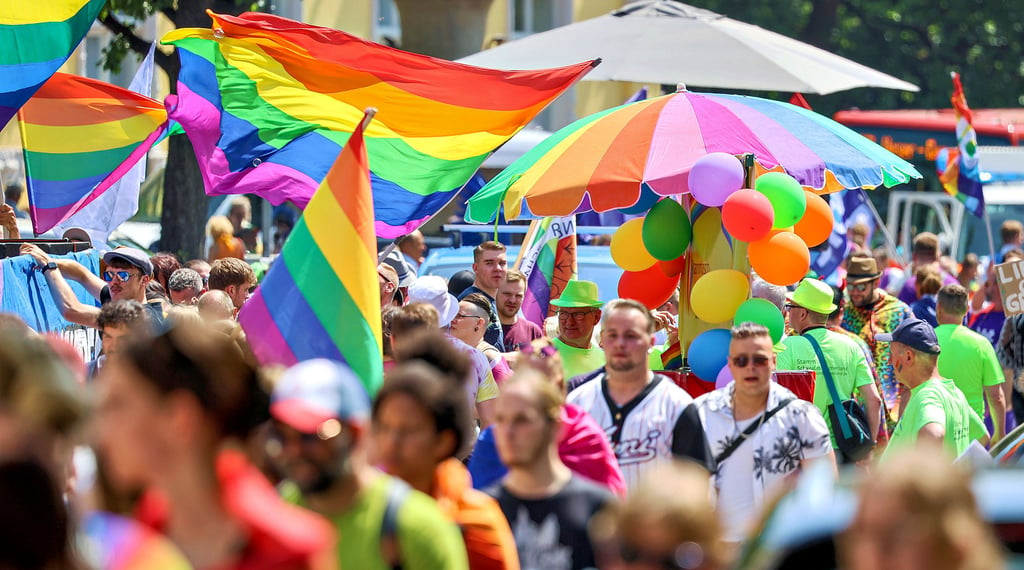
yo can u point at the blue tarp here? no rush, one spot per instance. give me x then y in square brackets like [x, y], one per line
[25, 292]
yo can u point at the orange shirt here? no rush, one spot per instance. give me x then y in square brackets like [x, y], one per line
[485, 530]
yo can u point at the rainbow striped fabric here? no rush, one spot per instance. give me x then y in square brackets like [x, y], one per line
[36, 39]
[958, 168]
[268, 102]
[548, 260]
[80, 137]
[320, 298]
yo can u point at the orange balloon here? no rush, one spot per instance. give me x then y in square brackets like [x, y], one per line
[780, 259]
[816, 225]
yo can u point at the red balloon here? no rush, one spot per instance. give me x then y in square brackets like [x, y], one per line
[673, 268]
[748, 215]
[816, 225]
[650, 286]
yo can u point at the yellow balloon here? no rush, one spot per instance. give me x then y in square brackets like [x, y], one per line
[628, 251]
[716, 296]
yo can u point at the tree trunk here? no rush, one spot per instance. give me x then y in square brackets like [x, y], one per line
[183, 219]
[448, 29]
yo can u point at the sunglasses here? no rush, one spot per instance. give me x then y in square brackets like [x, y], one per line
[276, 439]
[109, 276]
[687, 556]
[577, 316]
[743, 360]
[859, 287]
[545, 352]
[462, 316]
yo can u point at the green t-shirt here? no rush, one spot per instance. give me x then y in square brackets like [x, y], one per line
[941, 402]
[576, 361]
[426, 538]
[845, 359]
[969, 360]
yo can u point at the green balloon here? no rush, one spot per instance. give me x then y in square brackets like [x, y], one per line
[764, 313]
[786, 195]
[666, 230]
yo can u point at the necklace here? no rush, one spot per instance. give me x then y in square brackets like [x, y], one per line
[736, 426]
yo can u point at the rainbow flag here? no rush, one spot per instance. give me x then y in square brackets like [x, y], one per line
[672, 358]
[958, 168]
[36, 38]
[80, 137]
[320, 298]
[548, 260]
[268, 102]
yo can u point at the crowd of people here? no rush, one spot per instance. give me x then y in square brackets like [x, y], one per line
[494, 442]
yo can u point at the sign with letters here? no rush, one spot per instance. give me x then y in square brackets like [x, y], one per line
[1010, 276]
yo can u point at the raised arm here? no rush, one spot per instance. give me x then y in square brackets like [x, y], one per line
[70, 307]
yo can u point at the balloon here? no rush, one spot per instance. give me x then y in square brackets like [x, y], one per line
[816, 225]
[786, 195]
[724, 377]
[715, 297]
[650, 286]
[708, 353]
[646, 199]
[674, 267]
[714, 177]
[666, 230]
[762, 312]
[748, 215]
[780, 259]
[627, 248]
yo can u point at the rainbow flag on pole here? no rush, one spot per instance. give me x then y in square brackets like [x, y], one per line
[36, 38]
[80, 137]
[320, 298]
[268, 102]
[958, 168]
[548, 260]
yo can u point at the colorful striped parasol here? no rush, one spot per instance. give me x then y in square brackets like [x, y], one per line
[613, 159]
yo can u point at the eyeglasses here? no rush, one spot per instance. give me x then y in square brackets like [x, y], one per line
[252, 289]
[791, 306]
[109, 276]
[545, 352]
[276, 439]
[686, 556]
[462, 316]
[577, 316]
[858, 287]
[743, 360]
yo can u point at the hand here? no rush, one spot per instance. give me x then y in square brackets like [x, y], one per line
[666, 320]
[41, 257]
[9, 221]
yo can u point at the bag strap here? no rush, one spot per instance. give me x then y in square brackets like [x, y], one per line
[398, 490]
[844, 422]
[750, 430]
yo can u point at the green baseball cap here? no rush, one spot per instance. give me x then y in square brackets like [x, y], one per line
[813, 295]
[578, 294]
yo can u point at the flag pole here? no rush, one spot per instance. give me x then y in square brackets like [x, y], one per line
[885, 231]
[988, 231]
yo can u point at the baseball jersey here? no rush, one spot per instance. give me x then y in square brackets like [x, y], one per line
[656, 425]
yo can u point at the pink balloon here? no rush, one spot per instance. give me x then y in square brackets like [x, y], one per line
[724, 377]
[714, 177]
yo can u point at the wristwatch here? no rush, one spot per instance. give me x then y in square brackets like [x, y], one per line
[49, 266]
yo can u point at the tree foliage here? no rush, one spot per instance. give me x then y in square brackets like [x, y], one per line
[920, 41]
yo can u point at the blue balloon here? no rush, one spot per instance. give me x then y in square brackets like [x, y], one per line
[708, 353]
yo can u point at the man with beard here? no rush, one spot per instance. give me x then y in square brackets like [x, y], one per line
[516, 330]
[648, 419]
[318, 439]
[872, 311]
[547, 506]
[490, 263]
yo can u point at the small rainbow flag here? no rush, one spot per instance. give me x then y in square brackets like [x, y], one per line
[958, 168]
[36, 38]
[320, 298]
[80, 137]
[548, 260]
[268, 102]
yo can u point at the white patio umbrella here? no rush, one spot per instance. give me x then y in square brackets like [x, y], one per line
[668, 42]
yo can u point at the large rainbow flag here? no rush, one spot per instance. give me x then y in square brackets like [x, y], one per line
[548, 260]
[36, 38]
[268, 102]
[958, 168]
[80, 137]
[320, 299]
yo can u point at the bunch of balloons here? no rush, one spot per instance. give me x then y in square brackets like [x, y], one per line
[651, 251]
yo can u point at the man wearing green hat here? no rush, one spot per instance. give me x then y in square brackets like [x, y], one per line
[579, 311]
[809, 307]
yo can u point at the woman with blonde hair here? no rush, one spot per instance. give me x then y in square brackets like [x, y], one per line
[667, 521]
[917, 511]
[223, 240]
